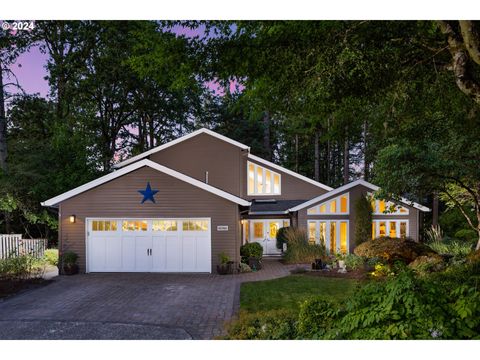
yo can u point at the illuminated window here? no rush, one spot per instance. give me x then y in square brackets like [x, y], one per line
[286, 223]
[323, 209]
[195, 225]
[104, 225]
[323, 233]
[343, 204]
[403, 229]
[251, 179]
[312, 210]
[373, 203]
[343, 237]
[273, 230]
[134, 225]
[403, 210]
[393, 229]
[262, 181]
[374, 234]
[312, 229]
[258, 229]
[381, 206]
[333, 237]
[333, 206]
[247, 230]
[164, 225]
[382, 228]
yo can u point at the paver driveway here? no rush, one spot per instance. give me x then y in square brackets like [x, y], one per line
[128, 306]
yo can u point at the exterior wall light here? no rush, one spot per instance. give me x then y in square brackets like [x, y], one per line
[72, 219]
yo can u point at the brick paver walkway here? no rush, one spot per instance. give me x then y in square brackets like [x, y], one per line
[199, 304]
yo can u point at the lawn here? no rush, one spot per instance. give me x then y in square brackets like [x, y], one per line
[287, 293]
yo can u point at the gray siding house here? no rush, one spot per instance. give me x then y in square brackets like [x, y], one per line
[177, 207]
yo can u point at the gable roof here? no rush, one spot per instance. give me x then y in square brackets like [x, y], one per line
[289, 172]
[128, 169]
[179, 140]
[341, 189]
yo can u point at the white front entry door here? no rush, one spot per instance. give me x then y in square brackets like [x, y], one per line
[265, 233]
[148, 245]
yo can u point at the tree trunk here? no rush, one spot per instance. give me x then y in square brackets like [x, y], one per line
[296, 153]
[366, 160]
[346, 162]
[3, 127]
[266, 136]
[317, 155]
[435, 209]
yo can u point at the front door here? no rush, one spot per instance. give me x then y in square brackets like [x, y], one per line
[265, 233]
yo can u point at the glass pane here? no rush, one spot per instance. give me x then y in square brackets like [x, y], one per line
[259, 180]
[107, 225]
[403, 229]
[373, 203]
[186, 225]
[382, 229]
[333, 206]
[343, 204]
[403, 210]
[343, 237]
[268, 182]
[273, 230]
[144, 225]
[95, 226]
[333, 237]
[247, 230]
[323, 208]
[323, 232]
[312, 210]
[113, 226]
[100, 226]
[312, 229]
[393, 229]
[258, 229]
[251, 184]
[373, 230]
[286, 223]
[381, 206]
[276, 184]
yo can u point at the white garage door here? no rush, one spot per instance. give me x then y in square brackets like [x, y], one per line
[148, 245]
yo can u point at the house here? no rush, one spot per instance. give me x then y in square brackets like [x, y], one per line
[177, 207]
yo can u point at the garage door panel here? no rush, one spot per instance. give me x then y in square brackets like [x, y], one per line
[189, 250]
[113, 253]
[128, 249]
[159, 253]
[203, 254]
[173, 254]
[142, 260]
[97, 251]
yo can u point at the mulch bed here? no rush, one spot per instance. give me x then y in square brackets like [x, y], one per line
[12, 287]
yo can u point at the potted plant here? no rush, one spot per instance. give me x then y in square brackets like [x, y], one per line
[69, 260]
[340, 260]
[226, 265]
[251, 254]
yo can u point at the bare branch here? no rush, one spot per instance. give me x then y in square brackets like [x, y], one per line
[471, 38]
[462, 210]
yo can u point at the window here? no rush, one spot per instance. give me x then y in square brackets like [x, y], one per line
[164, 225]
[247, 230]
[403, 229]
[338, 205]
[323, 233]
[195, 225]
[286, 223]
[312, 231]
[273, 230]
[382, 228]
[393, 229]
[333, 237]
[104, 225]
[262, 181]
[382, 207]
[374, 232]
[134, 225]
[343, 237]
[258, 230]
[343, 204]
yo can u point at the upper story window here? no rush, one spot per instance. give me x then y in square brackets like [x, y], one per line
[263, 181]
[338, 205]
[382, 207]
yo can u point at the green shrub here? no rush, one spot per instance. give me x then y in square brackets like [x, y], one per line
[316, 317]
[69, 258]
[281, 239]
[354, 262]
[267, 325]
[298, 248]
[19, 267]
[452, 247]
[244, 268]
[224, 258]
[393, 249]
[363, 220]
[426, 264]
[51, 256]
[467, 235]
[252, 249]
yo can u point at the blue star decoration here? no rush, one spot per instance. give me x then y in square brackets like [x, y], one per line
[148, 193]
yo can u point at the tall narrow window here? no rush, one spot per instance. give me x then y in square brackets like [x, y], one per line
[258, 230]
[382, 228]
[343, 204]
[333, 206]
[251, 179]
[276, 184]
[268, 182]
[323, 233]
[381, 206]
[343, 237]
[312, 229]
[260, 180]
[247, 230]
[323, 209]
[333, 237]
[393, 229]
[374, 234]
[403, 229]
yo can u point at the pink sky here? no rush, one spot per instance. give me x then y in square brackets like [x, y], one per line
[30, 68]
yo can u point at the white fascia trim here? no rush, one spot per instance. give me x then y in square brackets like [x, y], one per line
[179, 140]
[349, 186]
[56, 200]
[289, 172]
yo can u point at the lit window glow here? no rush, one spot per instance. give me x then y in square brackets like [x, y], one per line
[262, 181]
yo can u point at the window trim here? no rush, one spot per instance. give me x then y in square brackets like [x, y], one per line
[327, 233]
[264, 182]
[387, 205]
[387, 221]
[338, 206]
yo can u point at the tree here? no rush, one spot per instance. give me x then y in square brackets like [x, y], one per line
[363, 220]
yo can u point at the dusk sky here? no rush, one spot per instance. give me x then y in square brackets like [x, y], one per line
[30, 68]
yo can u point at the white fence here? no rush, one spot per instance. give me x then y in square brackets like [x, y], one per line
[13, 245]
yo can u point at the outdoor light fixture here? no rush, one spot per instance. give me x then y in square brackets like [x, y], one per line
[72, 218]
